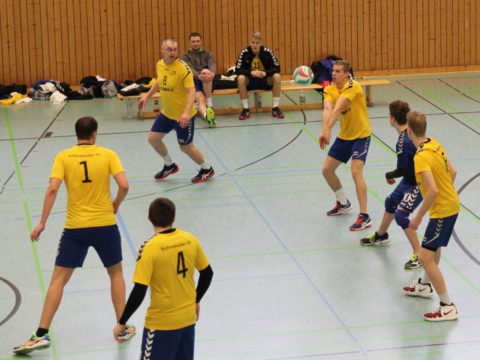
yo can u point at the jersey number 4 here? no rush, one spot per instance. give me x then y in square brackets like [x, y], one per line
[181, 269]
[85, 170]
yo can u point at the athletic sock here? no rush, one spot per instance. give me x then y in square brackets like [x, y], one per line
[168, 160]
[209, 102]
[41, 332]
[245, 103]
[276, 102]
[444, 298]
[341, 196]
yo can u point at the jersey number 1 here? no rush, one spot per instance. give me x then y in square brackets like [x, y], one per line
[85, 169]
[181, 269]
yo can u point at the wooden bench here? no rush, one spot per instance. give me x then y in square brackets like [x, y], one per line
[286, 86]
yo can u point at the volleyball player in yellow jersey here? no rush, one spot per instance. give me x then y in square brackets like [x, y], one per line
[177, 90]
[344, 99]
[435, 176]
[86, 169]
[166, 263]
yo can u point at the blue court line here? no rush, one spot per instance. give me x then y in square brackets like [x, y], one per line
[124, 228]
[287, 250]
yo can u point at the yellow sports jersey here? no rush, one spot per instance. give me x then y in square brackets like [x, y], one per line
[354, 121]
[167, 263]
[257, 64]
[173, 81]
[86, 170]
[431, 156]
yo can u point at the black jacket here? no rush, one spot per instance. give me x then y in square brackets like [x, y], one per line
[267, 57]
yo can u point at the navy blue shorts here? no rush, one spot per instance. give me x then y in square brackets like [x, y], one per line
[199, 85]
[438, 232]
[343, 150]
[405, 196]
[168, 344]
[163, 124]
[74, 244]
[258, 84]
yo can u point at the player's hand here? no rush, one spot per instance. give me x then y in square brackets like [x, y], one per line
[197, 310]
[118, 330]
[324, 139]
[35, 235]
[390, 181]
[141, 103]
[415, 223]
[184, 120]
[115, 207]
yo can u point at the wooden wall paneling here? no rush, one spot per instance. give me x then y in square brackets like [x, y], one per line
[155, 39]
[469, 34]
[102, 35]
[475, 16]
[336, 27]
[385, 54]
[371, 50]
[222, 32]
[65, 29]
[70, 43]
[109, 41]
[216, 30]
[408, 34]
[289, 30]
[329, 29]
[308, 32]
[144, 29]
[297, 41]
[266, 8]
[27, 38]
[59, 34]
[10, 33]
[281, 33]
[136, 34]
[366, 34]
[420, 33]
[18, 44]
[123, 59]
[397, 31]
[348, 31]
[462, 50]
[442, 34]
[402, 34]
[76, 52]
[360, 47]
[437, 31]
[232, 30]
[354, 35]
[455, 33]
[3, 41]
[431, 33]
[340, 26]
[392, 52]
[89, 22]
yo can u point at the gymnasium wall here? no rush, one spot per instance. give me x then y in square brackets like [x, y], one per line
[120, 39]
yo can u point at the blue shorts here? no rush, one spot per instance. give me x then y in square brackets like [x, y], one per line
[163, 124]
[168, 344]
[74, 244]
[199, 85]
[438, 232]
[258, 84]
[405, 196]
[343, 150]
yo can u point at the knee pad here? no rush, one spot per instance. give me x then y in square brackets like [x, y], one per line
[401, 218]
[390, 204]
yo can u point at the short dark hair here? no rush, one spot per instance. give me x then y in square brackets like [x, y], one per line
[161, 212]
[85, 127]
[399, 110]
[194, 34]
[417, 122]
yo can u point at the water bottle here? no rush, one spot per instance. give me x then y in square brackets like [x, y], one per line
[302, 97]
[129, 109]
[156, 106]
[258, 99]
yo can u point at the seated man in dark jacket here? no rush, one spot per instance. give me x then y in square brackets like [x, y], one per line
[258, 68]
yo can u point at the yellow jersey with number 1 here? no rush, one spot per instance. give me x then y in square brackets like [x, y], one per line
[86, 170]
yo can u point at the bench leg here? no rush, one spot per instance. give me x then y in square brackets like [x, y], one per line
[368, 95]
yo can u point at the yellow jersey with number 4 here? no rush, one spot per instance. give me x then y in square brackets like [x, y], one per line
[166, 263]
[86, 170]
[173, 81]
[431, 156]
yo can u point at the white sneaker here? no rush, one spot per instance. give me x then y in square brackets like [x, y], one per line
[419, 289]
[443, 313]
